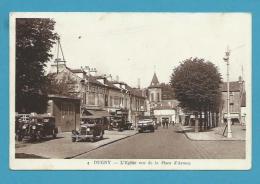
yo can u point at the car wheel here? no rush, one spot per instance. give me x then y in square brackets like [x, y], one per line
[34, 138]
[140, 131]
[73, 139]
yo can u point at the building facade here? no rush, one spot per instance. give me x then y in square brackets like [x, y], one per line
[237, 101]
[98, 92]
[161, 102]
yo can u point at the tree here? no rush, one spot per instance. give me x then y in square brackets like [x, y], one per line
[197, 86]
[61, 85]
[34, 40]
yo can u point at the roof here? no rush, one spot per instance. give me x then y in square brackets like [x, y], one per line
[233, 86]
[95, 113]
[155, 81]
[135, 91]
[93, 80]
[111, 85]
[90, 78]
[76, 70]
[63, 97]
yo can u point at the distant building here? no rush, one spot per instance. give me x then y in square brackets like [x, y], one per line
[161, 102]
[237, 101]
[99, 93]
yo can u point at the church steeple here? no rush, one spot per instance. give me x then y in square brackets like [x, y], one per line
[155, 81]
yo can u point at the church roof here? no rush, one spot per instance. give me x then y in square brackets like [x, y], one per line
[155, 81]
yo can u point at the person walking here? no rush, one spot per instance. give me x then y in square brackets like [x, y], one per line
[167, 123]
[163, 123]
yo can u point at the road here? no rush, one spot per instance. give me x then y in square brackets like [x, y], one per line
[168, 144]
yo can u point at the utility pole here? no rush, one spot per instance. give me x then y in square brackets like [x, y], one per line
[226, 59]
[58, 60]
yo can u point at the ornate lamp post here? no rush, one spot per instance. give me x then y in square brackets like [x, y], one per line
[229, 131]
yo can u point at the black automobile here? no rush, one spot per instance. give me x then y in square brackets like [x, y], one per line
[146, 123]
[37, 127]
[91, 129]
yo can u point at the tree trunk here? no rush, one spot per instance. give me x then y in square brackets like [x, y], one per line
[217, 119]
[210, 119]
[196, 122]
[205, 120]
[201, 121]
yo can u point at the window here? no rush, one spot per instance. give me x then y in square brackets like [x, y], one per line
[116, 101]
[158, 97]
[91, 98]
[152, 97]
[106, 100]
[111, 101]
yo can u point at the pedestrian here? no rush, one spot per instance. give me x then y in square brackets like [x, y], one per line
[163, 123]
[167, 123]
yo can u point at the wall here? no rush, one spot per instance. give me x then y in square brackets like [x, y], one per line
[66, 112]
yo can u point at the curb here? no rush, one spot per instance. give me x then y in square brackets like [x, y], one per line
[183, 131]
[101, 146]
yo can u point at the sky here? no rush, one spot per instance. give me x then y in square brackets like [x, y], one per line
[135, 45]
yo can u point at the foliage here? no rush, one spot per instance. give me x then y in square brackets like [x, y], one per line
[60, 85]
[34, 40]
[197, 85]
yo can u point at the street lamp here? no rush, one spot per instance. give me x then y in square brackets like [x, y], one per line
[226, 59]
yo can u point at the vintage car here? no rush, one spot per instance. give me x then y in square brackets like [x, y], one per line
[91, 128]
[119, 122]
[37, 127]
[146, 123]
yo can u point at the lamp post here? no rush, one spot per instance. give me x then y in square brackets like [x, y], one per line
[229, 131]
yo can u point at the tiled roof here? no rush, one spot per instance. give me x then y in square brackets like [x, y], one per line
[76, 70]
[63, 97]
[134, 91]
[111, 85]
[233, 86]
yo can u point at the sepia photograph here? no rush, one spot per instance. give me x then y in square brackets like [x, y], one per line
[130, 91]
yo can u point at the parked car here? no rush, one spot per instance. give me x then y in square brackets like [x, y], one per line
[91, 128]
[146, 123]
[38, 127]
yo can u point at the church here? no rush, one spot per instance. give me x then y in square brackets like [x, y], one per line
[161, 102]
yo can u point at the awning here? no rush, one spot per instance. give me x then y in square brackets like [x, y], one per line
[96, 114]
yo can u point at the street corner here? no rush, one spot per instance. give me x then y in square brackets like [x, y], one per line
[214, 134]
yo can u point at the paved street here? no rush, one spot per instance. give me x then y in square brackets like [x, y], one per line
[62, 147]
[168, 144]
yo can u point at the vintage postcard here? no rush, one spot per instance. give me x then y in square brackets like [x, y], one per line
[130, 91]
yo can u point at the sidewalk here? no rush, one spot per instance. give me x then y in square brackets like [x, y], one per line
[215, 134]
[62, 147]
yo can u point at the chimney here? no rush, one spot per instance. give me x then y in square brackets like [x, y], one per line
[109, 77]
[138, 83]
[87, 70]
[93, 71]
[240, 79]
